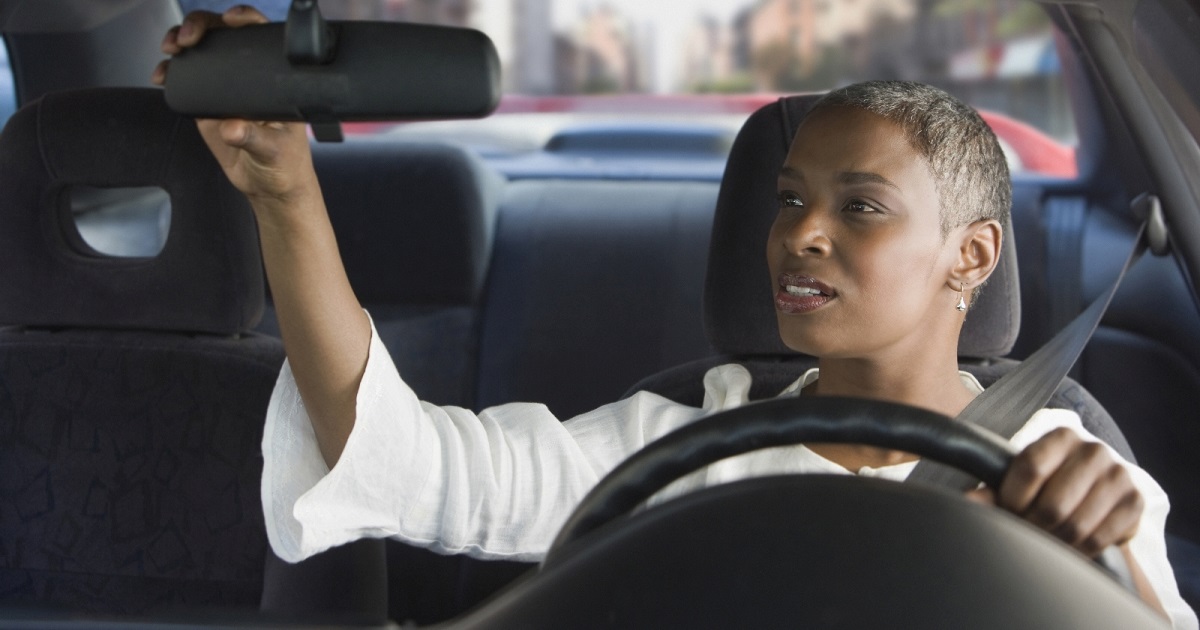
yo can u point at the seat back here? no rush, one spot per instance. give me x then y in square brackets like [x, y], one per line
[414, 224]
[132, 394]
[594, 285]
[738, 307]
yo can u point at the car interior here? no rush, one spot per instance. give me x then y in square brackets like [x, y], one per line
[133, 389]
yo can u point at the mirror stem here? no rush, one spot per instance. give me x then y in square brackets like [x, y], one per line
[309, 39]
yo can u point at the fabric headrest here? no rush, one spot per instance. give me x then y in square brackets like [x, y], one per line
[739, 315]
[208, 277]
[414, 221]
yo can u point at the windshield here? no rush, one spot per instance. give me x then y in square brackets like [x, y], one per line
[568, 64]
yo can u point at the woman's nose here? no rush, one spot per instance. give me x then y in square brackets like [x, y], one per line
[808, 233]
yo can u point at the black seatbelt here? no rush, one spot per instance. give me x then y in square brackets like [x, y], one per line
[1008, 404]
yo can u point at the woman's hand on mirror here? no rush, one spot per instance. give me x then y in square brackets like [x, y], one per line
[268, 161]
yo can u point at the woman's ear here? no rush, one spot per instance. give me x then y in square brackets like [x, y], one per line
[978, 254]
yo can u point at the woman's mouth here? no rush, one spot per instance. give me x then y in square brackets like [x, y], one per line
[801, 294]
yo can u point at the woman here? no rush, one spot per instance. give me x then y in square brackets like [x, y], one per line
[891, 202]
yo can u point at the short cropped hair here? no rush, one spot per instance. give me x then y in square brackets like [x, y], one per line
[969, 170]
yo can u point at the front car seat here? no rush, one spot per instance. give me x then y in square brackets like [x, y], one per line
[132, 394]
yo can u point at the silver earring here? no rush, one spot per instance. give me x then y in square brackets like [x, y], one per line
[961, 307]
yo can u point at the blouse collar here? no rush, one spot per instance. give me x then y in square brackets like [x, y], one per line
[810, 376]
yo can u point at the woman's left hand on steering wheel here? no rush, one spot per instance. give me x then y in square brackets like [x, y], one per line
[1073, 489]
[1077, 491]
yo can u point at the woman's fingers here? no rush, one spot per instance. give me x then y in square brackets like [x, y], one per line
[262, 141]
[259, 139]
[1032, 468]
[233, 140]
[193, 28]
[982, 495]
[1073, 489]
[1066, 488]
[170, 42]
[242, 15]
[264, 160]
[159, 76]
[1109, 515]
[197, 23]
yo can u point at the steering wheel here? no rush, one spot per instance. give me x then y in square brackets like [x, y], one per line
[788, 421]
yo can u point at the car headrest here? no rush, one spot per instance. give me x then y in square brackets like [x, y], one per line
[414, 221]
[739, 315]
[208, 277]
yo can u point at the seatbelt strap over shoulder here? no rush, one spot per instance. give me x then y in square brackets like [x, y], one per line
[1008, 404]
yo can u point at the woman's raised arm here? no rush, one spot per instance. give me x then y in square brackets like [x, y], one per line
[325, 332]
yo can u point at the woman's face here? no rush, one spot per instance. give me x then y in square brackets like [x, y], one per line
[856, 252]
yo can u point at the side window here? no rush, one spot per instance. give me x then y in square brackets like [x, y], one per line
[8, 91]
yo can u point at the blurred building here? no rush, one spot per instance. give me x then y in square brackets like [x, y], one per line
[782, 34]
[803, 44]
[708, 56]
[607, 54]
[532, 68]
[742, 55]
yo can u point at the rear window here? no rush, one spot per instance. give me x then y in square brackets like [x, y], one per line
[570, 64]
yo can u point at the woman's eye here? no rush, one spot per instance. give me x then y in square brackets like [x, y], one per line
[860, 206]
[789, 198]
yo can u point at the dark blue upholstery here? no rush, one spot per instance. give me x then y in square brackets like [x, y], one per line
[200, 282]
[414, 221]
[132, 396]
[595, 284]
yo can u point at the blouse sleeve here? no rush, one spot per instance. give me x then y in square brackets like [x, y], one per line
[1149, 544]
[494, 485]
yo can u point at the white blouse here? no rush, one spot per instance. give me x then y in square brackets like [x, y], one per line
[500, 484]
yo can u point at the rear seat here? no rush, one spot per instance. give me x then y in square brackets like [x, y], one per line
[562, 322]
[422, 226]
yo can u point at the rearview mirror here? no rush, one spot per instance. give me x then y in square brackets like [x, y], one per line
[378, 71]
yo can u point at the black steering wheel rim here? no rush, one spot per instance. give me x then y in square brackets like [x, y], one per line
[789, 421]
[785, 422]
